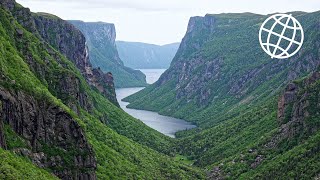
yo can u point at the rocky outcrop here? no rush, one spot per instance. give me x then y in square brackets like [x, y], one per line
[2, 139]
[72, 43]
[216, 174]
[64, 37]
[104, 83]
[103, 36]
[22, 15]
[296, 105]
[193, 86]
[285, 101]
[219, 66]
[65, 86]
[292, 105]
[100, 38]
[198, 33]
[56, 140]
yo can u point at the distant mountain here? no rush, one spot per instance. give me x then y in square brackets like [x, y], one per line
[138, 55]
[100, 39]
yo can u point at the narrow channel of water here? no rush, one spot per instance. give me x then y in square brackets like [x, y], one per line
[164, 124]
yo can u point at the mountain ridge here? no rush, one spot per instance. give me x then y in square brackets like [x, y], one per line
[69, 137]
[222, 80]
[140, 55]
[100, 37]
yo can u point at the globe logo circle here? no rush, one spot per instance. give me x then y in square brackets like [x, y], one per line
[281, 36]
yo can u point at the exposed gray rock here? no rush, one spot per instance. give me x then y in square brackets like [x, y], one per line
[19, 31]
[257, 161]
[104, 83]
[72, 43]
[2, 138]
[215, 174]
[44, 126]
[100, 38]
[293, 110]
[194, 85]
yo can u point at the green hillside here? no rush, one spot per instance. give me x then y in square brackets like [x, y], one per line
[222, 80]
[123, 146]
[14, 167]
[225, 69]
[100, 39]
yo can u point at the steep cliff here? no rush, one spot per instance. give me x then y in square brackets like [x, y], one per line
[139, 55]
[103, 53]
[53, 117]
[71, 42]
[220, 66]
[53, 138]
[2, 139]
[299, 110]
[222, 80]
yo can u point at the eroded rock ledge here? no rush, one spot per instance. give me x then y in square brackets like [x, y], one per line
[55, 139]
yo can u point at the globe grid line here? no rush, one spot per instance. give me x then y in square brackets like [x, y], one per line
[293, 34]
[283, 37]
[273, 45]
[282, 33]
[296, 27]
[269, 35]
[279, 22]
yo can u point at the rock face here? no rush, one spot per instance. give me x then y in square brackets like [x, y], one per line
[220, 65]
[104, 83]
[72, 43]
[104, 54]
[100, 34]
[297, 107]
[66, 38]
[48, 128]
[55, 139]
[22, 15]
[2, 138]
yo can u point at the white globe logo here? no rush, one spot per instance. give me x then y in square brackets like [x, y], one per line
[281, 36]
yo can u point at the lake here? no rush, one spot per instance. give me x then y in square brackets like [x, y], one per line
[164, 124]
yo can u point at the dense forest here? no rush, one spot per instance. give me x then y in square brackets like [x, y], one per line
[256, 117]
[53, 115]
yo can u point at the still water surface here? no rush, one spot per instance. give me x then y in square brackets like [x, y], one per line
[164, 124]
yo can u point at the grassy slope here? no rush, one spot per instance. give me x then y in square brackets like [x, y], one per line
[228, 131]
[235, 39]
[13, 167]
[123, 76]
[105, 55]
[295, 157]
[117, 155]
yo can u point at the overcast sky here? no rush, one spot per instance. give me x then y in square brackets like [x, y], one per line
[158, 21]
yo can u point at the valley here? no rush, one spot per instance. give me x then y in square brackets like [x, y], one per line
[164, 124]
[75, 103]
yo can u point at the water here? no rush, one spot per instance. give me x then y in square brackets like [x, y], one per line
[164, 124]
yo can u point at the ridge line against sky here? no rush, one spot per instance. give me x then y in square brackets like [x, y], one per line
[158, 22]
